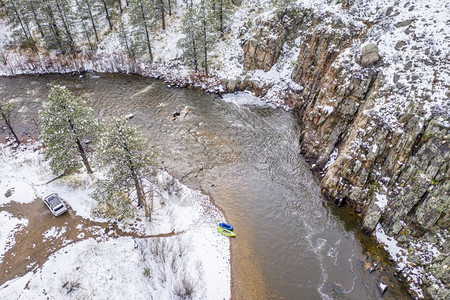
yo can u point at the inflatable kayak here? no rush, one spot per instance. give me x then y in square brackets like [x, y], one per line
[226, 226]
[226, 232]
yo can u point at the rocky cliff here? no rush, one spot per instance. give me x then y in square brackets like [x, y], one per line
[369, 83]
[376, 125]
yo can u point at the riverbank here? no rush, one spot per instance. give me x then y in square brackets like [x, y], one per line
[178, 253]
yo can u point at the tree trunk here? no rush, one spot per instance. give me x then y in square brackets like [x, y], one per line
[194, 48]
[107, 14]
[10, 128]
[137, 186]
[137, 182]
[80, 149]
[221, 18]
[129, 50]
[84, 157]
[36, 20]
[205, 49]
[22, 25]
[86, 33]
[66, 27]
[146, 31]
[53, 26]
[163, 15]
[92, 19]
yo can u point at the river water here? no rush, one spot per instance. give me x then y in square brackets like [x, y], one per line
[246, 156]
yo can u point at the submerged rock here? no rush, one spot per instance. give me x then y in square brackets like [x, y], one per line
[382, 288]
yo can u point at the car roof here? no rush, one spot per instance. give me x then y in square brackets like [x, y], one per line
[53, 200]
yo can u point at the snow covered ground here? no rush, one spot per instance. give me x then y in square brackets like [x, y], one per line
[9, 225]
[187, 257]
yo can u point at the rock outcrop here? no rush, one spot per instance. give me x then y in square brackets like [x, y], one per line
[263, 48]
[392, 167]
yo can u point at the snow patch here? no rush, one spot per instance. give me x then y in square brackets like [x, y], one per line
[381, 201]
[9, 225]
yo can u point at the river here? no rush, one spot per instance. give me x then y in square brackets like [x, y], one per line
[246, 156]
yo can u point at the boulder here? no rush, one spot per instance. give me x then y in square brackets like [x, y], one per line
[370, 221]
[369, 54]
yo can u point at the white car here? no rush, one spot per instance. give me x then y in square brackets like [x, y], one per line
[55, 204]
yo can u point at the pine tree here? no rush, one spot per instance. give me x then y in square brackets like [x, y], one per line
[189, 43]
[125, 40]
[128, 163]
[86, 10]
[200, 35]
[63, 7]
[221, 10]
[66, 123]
[83, 21]
[54, 38]
[32, 8]
[170, 4]
[141, 16]
[5, 112]
[16, 17]
[108, 18]
[160, 9]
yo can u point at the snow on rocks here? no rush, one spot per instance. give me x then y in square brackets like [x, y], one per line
[410, 260]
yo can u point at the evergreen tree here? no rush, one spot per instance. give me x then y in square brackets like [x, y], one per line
[54, 37]
[83, 21]
[200, 35]
[87, 12]
[129, 163]
[5, 112]
[32, 8]
[16, 18]
[221, 10]
[125, 40]
[66, 123]
[108, 18]
[189, 43]
[63, 8]
[170, 5]
[160, 9]
[141, 16]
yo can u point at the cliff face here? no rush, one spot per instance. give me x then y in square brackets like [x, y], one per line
[388, 158]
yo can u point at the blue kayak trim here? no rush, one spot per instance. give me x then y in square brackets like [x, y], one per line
[226, 226]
